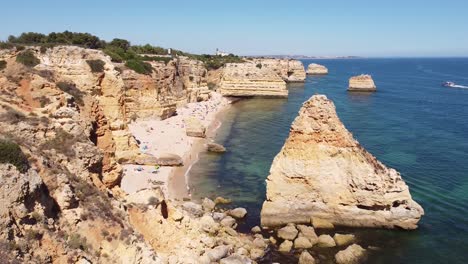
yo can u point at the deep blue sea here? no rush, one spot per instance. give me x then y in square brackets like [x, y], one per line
[411, 123]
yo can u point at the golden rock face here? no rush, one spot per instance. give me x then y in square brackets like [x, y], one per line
[323, 172]
[363, 83]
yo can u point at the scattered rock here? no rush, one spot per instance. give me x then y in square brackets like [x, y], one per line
[217, 253]
[215, 147]
[228, 221]
[256, 229]
[343, 240]
[273, 240]
[256, 253]
[326, 241]
[302, 243]
[321, 223]
[238, 213]
[260, 243]
[236, 259]
[193, 208]
[208, 205]
[194, 127]
[286, 246]
[351, 255]
[217, 216]
[230, 231]
[288, 232]
[306, 258]
[208, 224]
[309, 232]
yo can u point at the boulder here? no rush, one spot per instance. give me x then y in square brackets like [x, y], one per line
[168, 159]
[351, 255]
[326, 241]
[238, 213]
[217, 253]
[256, 229]
[362, 83]
[302, 243]
[286, 246]
[194, 127]
[316, 69]
[259, 242]
[323, 172]
[208, 205]
[215, 147]
[222, 200]
[306, 258]
[343, 240]
[308, 232]
[228, 221]
[256, 253]
[288, 232]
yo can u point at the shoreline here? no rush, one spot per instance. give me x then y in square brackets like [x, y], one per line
[161, 137]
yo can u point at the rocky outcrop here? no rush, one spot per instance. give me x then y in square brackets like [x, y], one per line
[246, 80]
[323, 172]
[362, 83]
[316, 69]
[289, 70]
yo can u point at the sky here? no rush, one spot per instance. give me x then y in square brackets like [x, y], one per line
[369, 28]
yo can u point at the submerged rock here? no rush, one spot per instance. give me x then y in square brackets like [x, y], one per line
[343, 240]
[351, 255]
[238, 212]
[326, 241]
[316, 69]
[323, 172]
[215, 147]
[362, 83]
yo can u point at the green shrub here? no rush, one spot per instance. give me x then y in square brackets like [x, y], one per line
[12, 116]
[71, 89]
[28, 58]
[259, 65]
[2, 64]
[163, 59]
[11, 153]
[96, 65]
[211, 86]
[139, 66]
[75, 241]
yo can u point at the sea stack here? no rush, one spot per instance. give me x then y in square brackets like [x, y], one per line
[362, 83]
[316, 69]
[322, 172]
[249, 79]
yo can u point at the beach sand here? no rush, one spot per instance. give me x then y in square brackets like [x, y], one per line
[158, 137]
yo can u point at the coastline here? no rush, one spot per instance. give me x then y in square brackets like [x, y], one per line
[160, 137]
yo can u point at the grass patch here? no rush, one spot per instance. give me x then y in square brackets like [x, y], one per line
[96, 66]
[11, 153]
[163, 59]
[28, 58]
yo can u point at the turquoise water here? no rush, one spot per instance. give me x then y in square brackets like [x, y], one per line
[412, 124]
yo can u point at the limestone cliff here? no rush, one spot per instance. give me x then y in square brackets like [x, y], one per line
[316, 69]
[289, 70]
[362, 83]
[323, 172]
[248, 79]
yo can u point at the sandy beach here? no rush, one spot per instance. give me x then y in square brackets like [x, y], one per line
[160, 137]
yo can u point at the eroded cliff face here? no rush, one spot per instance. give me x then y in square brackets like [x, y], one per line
[323, 172]
[289, 70]
[249, 79]
[71, 123]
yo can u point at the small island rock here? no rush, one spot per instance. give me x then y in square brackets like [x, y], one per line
[316, 69]
[362, 83]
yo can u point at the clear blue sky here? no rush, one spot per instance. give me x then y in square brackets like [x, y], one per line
[249, 27]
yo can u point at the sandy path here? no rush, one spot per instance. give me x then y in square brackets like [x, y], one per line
[158, 137]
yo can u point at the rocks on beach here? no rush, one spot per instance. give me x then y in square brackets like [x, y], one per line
[194, 127]
[215, 147]
[362, 83]
[316, 69]
[323, 172]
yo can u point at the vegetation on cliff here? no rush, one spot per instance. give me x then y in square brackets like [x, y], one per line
[2, 64]
[11, 153]
[27, 58]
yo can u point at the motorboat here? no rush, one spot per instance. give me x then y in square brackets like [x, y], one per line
[448, 84]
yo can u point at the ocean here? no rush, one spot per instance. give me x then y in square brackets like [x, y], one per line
[411, 123]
